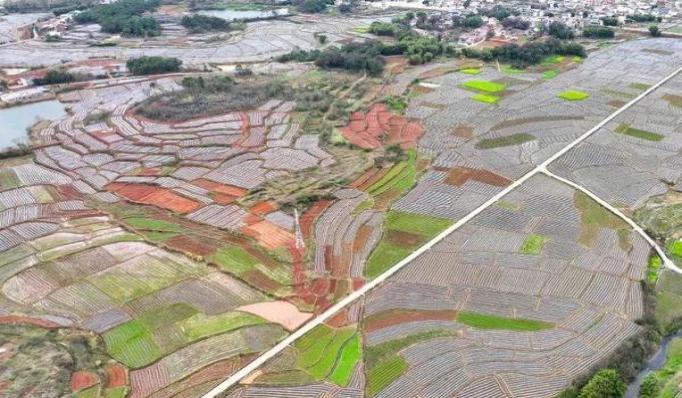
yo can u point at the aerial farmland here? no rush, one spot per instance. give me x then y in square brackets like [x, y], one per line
[298, 204]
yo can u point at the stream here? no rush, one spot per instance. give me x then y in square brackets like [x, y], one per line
[656, 362]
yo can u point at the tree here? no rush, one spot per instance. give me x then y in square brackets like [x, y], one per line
[472, 21]
[600, 32]
[153, 65]
[606, 383]
[654, 31]
[560, 31]
[54, 76]
[610, 21]
[313, 6]
[649, 387]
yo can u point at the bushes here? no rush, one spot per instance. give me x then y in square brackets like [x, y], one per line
[472, 21]
[54, 77]
[354, 56]
[560, 31]
[599, 32]
[610, 21]
[527, 54]
[516, 23]
[202, 23]
[606, 383]
[643, 18]
[123, 16]
[313, 6]
[153, 65]
[382, 28]
[654, 31]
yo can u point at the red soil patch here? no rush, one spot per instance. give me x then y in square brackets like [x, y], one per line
[396, 317]
[357, 283]
[261, 280]
[150, 172]
[263, 208]
[187, 244]
[438, 71]
[156, 196]
[6, 352]
[308, 218]
[379, 127]
[220, 188]
[83, 379]
[269, 235]
[396, 64]
[339, 320]
[404, 238]
[117, 375]
[460, 175]
[23, 320]
[463, 131]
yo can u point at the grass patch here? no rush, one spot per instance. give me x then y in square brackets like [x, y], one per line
[503, 204]
[486, 321]
[115, 392]
[234, 259]
[361, 29]
[637, 133]
[396, 104]
[349, 358]
[593, 217]
[675, 249]
[470, 71]
[388, 252]
[131, 343]
[399, 179]
[533, 244]
[321, 348]
[485, 86]
[384, 373]
[380, 352]
[486, 98]
[553, 60]
[199, 326]
[668, 298]
[639, 86]
[550, 74]
[511, 70]
[573, 95]
[652, 268]
[499, 142]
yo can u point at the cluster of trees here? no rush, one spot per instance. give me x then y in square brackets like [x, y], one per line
[610, 21]
[516, 23]
[153, 65]
[560, 31]
[56, 6]
[599, 32]
[527, 54]
[607, 383]
[354, 56]
[643, 18]
[123, 16]
[55, 76]
[201, 23]
[499, 12]
[313, 6]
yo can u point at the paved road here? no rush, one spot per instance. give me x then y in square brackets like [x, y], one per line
[539, 169]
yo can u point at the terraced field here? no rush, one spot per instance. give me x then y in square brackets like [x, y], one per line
[164, 238]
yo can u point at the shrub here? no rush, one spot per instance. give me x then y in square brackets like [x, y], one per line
[606, 383]
[153, 65]
[313, 6]
[202, 23]
[601, 32]
[54, 77]
[560, 31]
[654, 31]
[472, 21]
[516, 23]
[610, 21]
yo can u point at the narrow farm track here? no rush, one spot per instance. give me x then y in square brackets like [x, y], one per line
[539, 169]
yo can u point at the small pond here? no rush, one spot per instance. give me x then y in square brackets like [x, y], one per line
[15, 121]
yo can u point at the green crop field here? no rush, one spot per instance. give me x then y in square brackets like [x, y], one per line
[320, 352]
[400, 178]
[234, 259]
[675, 249]
[499, 142]
[511, 70]
[573, 95]
[593, 216]
[349, 358]
[553, 60]
[550, 74]
[486, 98]
[533, 244]
[199, 326]
[486, 321]
[470, 71]
[388, 252]
[131, 343]
[384, 373]
[484, 85]
[637, 133]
